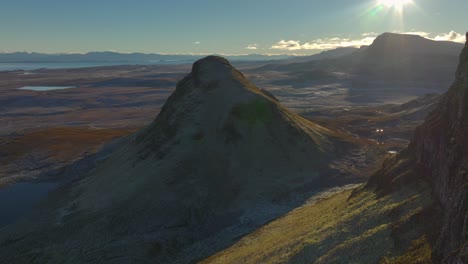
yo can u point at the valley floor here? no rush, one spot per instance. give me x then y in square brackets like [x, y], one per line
[50, 133]
[110, 102]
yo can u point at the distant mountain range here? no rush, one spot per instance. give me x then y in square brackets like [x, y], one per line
[328, 54]
[109, 56]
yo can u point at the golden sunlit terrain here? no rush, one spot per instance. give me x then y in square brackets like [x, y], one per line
[33, 152]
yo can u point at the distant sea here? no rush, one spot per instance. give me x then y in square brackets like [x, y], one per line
[29, 66]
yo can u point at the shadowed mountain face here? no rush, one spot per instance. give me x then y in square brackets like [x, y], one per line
[391, 44]
[221, 158]
[438, 154]
[395, 68]
[397, 58]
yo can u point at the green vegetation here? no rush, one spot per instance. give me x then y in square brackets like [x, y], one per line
[255, 112]
[419, 252]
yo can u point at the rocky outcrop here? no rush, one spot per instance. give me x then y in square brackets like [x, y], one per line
[438, 154]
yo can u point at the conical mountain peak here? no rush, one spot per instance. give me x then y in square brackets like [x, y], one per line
[212, 69]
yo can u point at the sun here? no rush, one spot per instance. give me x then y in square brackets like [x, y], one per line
[392, 9]
[399, 4]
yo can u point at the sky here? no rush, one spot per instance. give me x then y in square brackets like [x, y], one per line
[220, 26]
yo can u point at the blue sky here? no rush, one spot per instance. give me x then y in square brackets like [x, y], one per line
[225, 27]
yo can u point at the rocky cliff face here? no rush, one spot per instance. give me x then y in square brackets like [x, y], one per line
[438, 154]
[440, 147]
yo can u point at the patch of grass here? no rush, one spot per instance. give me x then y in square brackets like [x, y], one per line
[155, 249]
[199, 136]
[419, 252]
[256, 112]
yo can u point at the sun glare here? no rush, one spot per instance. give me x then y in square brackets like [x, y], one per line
[394, 3]
[395, 6]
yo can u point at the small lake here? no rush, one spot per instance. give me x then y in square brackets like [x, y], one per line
[18, 199]
[45, 88]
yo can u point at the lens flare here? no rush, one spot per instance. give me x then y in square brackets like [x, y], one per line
[394, 3]
[391, 12]
[396, 6]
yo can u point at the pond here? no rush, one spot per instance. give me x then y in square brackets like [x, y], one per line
[18, 199]
[45, 88]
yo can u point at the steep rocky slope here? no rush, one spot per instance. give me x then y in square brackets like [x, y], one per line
[344, 227]
[221, 158]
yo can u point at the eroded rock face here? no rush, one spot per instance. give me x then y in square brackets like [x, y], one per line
[440, 146]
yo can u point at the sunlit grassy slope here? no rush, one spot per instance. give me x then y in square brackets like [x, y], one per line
[359, 227]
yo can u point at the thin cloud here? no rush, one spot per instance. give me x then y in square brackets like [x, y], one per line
[252, 47]
[322, 44]
[287, 45]
[196, 43]
[419, 33]
[451, 36]
[369, 34]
